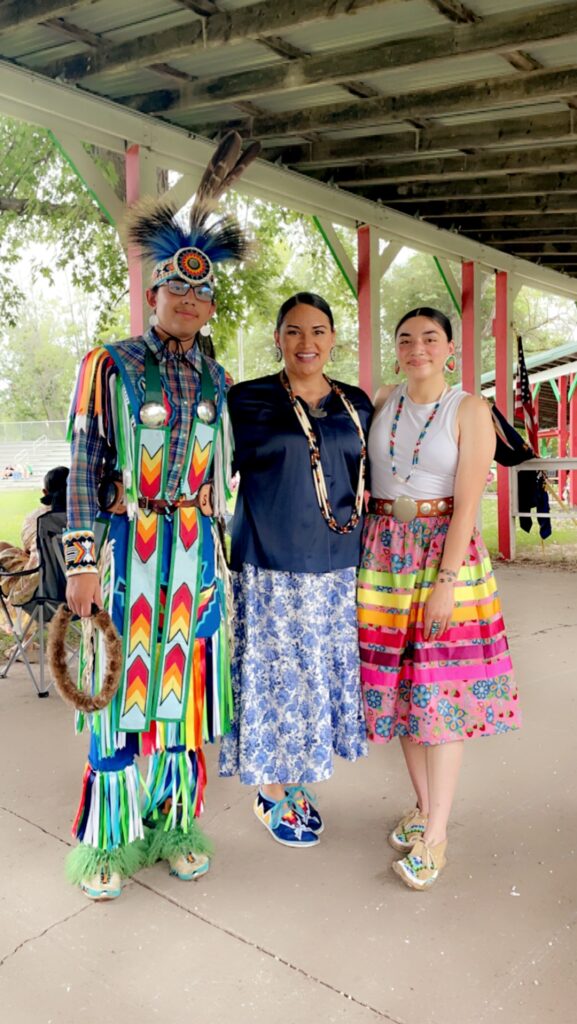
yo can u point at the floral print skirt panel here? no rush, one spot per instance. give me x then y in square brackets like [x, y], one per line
[295, 674]
[433, 691]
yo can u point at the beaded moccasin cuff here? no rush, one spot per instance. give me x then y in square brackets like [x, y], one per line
[79, 552]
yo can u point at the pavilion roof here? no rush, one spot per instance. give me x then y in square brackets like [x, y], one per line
[463, 115]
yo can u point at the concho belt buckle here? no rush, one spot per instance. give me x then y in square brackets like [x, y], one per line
[404, 508]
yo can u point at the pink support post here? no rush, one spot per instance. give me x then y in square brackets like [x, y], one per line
[503, 400]
[365, 277]
[135, 278]
[563, 430]
[573, 445]
[469, 361]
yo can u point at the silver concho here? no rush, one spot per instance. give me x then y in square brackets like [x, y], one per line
[404, 508]
[206, 410]
[153, 414]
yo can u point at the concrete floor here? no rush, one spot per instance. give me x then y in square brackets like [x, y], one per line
[286, 937]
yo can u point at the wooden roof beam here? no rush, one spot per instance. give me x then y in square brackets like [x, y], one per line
[531, 252]
[480, 135]
[494, 35]
[19, 13]
[454, 10]
[553, 158]
[267, 18]
[526, 205]
[70, 31]
[524, 227]
[495, 188]
[491, 224]
[528, 239]
[485, 95]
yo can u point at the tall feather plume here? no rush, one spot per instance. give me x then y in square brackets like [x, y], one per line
[152, 226]
[224, 167]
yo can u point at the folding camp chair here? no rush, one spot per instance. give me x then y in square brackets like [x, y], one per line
[40, 608]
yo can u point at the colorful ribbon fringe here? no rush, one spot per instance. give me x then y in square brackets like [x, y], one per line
[180, 777]
[109, 812]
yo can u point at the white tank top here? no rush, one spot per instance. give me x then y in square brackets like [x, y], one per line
[434, 476]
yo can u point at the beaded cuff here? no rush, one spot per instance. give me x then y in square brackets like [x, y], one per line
[79, 552]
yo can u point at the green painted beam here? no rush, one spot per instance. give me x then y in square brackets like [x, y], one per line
[73, 166]
[454, 298]
[320, 228]
[555, 390]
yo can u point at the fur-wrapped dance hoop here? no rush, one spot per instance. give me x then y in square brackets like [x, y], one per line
[58, 662]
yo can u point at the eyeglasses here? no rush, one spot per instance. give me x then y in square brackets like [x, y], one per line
[203, 292]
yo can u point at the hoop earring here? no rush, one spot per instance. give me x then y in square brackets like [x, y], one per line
[333, 354]
[277, 354]
[396, 367]
[153, 319]
[205, 331]
[450, 363]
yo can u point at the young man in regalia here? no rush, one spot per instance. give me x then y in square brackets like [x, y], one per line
[150, 464]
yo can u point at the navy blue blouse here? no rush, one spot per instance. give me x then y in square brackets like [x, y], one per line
[277, 521]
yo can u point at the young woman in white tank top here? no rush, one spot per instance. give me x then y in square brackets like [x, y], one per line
[435, 664]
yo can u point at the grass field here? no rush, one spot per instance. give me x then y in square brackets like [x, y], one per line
[14, 505]
[561, 547]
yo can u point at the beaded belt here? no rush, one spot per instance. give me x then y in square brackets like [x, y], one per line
[405, 509]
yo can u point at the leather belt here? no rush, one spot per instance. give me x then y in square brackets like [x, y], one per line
[405, 509]
[167, 508]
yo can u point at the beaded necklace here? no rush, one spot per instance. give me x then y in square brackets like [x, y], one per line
[315, 455]
[420, 439]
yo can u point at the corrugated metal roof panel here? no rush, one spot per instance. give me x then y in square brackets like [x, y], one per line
[136, 16]
[31, 39]
[128, 83]
[113, 21]
[488, 7]
[361, 132]
[367, 27]
[227, 60]
[205, 115]
[493, 115]
[446, 72]
[556, 55]
[300, 99]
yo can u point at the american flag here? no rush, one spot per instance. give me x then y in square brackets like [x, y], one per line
[524, 408]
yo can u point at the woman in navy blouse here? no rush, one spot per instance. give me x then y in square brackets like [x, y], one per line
[300, 450]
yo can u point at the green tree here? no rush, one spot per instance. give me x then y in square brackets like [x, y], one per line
[38, 368]
[49, 220]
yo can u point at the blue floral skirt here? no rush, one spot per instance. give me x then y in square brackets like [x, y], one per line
[295, 675]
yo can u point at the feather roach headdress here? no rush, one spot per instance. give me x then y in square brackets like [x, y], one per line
[188, 251]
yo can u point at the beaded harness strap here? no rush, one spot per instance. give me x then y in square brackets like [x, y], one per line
[81, 700]
[316, 464]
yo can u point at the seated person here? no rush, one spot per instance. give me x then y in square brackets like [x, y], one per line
[20, 589]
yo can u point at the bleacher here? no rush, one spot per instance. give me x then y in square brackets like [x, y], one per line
[39, 446]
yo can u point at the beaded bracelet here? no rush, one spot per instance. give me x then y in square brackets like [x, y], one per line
[79, 552]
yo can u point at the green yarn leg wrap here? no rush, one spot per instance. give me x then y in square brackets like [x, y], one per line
[164, 843]
[85, 861]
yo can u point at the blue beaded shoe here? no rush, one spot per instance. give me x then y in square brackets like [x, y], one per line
[302, 800]
[283, 821]
[104, 885]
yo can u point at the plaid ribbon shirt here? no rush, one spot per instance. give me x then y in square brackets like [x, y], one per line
[92, 454]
